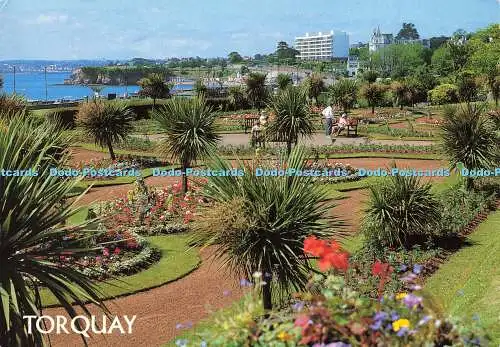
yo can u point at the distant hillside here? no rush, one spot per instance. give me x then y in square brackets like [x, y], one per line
[114, 75]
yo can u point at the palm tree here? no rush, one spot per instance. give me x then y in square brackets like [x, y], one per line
[32, 232]
[257, 92]
[315, 86]
[400, 91]
[370, 76]
[374, 94]
[200, 88]
[283, 81]
[106, 122]
[470, 138]
[344, 93]
[154, 86]
[190, 129]
[293, 118]
[260, 223]
[237, 97]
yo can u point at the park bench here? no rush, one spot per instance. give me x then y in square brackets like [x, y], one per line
[249, 122]
[352, 127]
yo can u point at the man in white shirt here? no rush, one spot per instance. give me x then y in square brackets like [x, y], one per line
[328, 115]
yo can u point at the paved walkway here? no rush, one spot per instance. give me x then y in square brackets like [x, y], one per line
[316, 140]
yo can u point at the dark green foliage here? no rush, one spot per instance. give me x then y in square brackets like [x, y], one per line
[344, 93]
[470, 138]
[154, 86]
[401, 212]
[315, 86]
[292, 116]
[257, 92]
[106, 122]
[370, 76]
[374, 94]
[32, 218]
[283, 81]
[261, 222]
[467, 86]
[408, 32]
[190, 129]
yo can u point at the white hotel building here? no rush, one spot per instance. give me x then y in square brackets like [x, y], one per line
[323, 46]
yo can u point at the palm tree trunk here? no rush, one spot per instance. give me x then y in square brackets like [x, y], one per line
[111, 152]
[266, 291]
[373, 109]
[288, 147]
[184, 178]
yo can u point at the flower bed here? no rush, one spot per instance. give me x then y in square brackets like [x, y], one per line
[338, 172]
[330, 313]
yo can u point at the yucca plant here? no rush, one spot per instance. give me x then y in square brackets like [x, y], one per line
[374, 94]
[106, 122]
[190, 131]
[260, 223]
[401, 212]
[344, 93]
[31, 230]
[314, 85]
[292, 116]
[256, 89]
[283, 80]
[11, 105]
[470, 138]
[154, 86]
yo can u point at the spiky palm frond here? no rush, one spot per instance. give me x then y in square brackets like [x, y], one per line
[283, 80]
[344, 93]
[314, 86]
[401, 210]
[470, 137]
[31, 230]
[256, 89]
[293, 118]
[11, 105]
[106, 122]
[275, 215]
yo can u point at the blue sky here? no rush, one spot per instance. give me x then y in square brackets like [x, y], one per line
[116, 29]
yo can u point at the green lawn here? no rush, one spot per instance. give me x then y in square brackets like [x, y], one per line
[469, 283]
[177, 260]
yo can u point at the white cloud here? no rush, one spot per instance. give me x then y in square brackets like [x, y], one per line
[51, 18]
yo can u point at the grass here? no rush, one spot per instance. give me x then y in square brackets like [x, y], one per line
[469, 283]
[177, 260]
[422, 156]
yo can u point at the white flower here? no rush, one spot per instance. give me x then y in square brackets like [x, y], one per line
[257, 274]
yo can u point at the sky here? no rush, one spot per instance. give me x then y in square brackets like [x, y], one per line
[123, 29]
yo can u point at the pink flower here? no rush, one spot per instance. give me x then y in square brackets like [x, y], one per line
[117, 251]
[105, 252]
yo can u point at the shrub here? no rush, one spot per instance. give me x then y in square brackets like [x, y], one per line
[443, 94]
[401, 211]
[66, 117]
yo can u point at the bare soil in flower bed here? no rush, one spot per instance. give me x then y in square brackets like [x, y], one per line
[159, 310]
[79, 155]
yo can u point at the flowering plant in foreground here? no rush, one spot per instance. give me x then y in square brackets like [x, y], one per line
[330, 313]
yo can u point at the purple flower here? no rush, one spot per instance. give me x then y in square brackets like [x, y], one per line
[380, 316]
[417, 268]
[377, 325]
[226, 293]
[179, 326]
[402, 332]
[189, 325]
[412, 301]
[298, 306]
[403, 268]
[245, 283]
[394, 316]
[409, 278]
[415, 287]
[424, 320]
[338, 344]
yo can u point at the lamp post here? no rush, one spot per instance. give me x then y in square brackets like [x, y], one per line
[46, 90]
[14, 80]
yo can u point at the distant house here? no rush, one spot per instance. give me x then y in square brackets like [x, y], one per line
[379, 40]
[353, 65]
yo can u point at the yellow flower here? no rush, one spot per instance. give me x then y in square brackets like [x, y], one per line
[400, 323]
[400, 296]
[284, 336]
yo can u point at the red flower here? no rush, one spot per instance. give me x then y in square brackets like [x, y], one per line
[381, 269]
[117, 251]
[336, 260]
[314, 246]
[302, 321]
[330, 254]
[105, 252]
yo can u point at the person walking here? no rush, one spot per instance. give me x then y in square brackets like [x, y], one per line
[328, 116]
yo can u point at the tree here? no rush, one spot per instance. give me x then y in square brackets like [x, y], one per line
[259, 224]
[374, 94]
[283, 81]
[292, 116]
[190, 131]
[470, 138]
[344, 93]
[106, 122]
[33, 236]
[1, 81]
[442, 61]
[284, 52]
[443, 94]
[467, 86]
[244, 70]
[408, 32]
[154, 86]
[315, 86]
[438, 41]
[256, 89]
[235, 58]
[398, 61]
[370, 76]
[401, 93]
[237, 97]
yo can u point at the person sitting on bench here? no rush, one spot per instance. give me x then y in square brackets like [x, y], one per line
[341, 125]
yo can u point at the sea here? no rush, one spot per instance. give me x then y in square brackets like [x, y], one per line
[32, 86]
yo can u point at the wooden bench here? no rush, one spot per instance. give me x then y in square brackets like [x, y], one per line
[249, 122]
[351, 128]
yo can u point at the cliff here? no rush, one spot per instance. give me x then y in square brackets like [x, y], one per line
[113, 75]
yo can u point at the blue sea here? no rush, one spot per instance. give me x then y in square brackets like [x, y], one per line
[32, 86]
